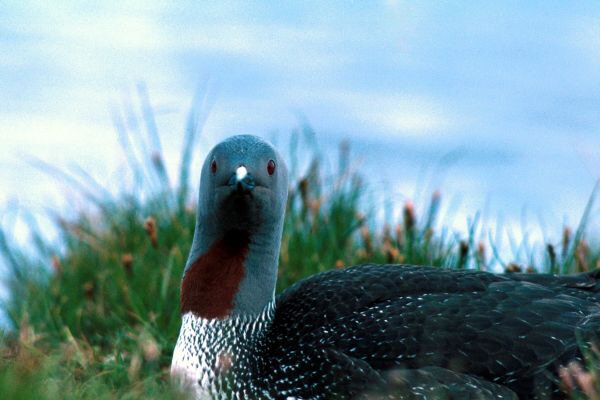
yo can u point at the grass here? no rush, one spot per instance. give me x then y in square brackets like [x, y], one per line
[98, 316]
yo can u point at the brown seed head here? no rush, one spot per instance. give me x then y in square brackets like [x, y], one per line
[56, 264]
[566, 240]
[513, 267]
[303, 187]
[366, 237]
[150, 227]
[480, 255]
[127, 262]
[88, 290]
[551, 254]
[391, 253]
[409, 216]
[463, 252]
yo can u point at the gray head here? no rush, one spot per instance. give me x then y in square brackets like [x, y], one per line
[232, 265]
[243, 185]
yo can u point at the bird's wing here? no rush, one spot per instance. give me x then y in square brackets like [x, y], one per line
[330, 373]
[340, 292]
[584, 285]
[435, 383]
[321, 373]
[479, 323]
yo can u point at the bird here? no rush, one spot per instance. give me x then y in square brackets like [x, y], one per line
[366, 331]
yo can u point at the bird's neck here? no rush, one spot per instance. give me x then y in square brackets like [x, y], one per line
[232, 273]
[209, 351]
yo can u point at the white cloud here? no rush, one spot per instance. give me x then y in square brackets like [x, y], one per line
[407, 116]
[73, 26]
[299, 48]
[54, 136]
[90, 47]
[388, 114]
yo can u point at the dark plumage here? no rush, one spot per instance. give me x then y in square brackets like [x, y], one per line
[512, 329]
[372, 331]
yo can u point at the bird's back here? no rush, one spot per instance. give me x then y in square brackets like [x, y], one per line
[508, 329]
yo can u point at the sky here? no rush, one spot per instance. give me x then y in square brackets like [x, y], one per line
[495, 104]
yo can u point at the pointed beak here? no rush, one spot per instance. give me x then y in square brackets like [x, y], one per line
[242, 180]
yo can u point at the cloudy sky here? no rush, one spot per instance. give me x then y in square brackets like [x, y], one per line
[508, 91]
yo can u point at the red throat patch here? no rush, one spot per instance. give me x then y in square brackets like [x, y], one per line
[210, 284]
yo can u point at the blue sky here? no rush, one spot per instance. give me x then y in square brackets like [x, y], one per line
[510, 89]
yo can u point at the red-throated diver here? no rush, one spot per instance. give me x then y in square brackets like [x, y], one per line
[396, 330]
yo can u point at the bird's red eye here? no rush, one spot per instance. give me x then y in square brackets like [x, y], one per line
[271, 167]
[213, 166]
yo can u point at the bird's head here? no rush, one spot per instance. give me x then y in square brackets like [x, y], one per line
[243, 185]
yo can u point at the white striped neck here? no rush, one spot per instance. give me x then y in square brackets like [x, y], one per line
[210, 351]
